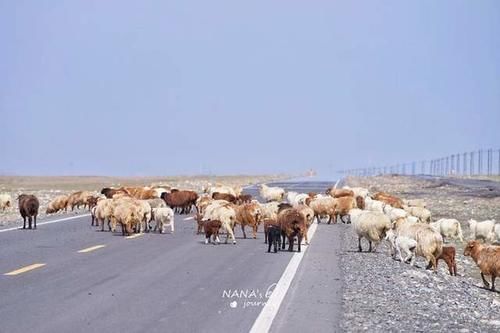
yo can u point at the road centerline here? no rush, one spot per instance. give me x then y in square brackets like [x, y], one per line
[134, 236]
[25, 269]
[92, 248]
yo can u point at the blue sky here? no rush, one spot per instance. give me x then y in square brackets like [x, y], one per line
[230, 87]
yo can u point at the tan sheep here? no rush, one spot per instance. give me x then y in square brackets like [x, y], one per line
[58, 203]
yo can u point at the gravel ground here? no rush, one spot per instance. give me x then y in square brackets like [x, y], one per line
[382, 294]
[47, 188]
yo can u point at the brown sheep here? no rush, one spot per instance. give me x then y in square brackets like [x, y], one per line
[244, 198]
[342, 207]
[360, 202]
[58, 203]
[212, 228]
[224, 196]
[110, 192]
[28, 208]
[78, 198]
[248, 214]
[292, 224]
[339, 193]
[487, 257]
[448, 255]
[388, 199]
[92, 201]
[181, 200]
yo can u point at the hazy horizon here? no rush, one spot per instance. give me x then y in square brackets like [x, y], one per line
[125, 88]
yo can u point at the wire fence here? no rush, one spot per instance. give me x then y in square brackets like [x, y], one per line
[483, 162]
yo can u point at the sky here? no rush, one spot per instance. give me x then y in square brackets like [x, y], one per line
[134, 88]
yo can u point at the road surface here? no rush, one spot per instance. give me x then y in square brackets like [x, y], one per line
[85, 280]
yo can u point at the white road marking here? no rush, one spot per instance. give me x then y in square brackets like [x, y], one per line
[25, 269]
[265, 319]
[48, 222]
[189, 218]
[92, 248]
[134, 236]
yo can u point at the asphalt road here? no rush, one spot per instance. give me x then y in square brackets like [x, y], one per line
[151, 283]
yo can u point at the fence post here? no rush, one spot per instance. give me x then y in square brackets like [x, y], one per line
[471, 163]
[458, 164]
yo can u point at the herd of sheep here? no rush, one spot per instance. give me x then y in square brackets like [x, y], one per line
[286, 217]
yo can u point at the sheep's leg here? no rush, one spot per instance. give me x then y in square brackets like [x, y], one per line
[398, 250]
[243, 229]
[30, 220]
[290, 243]
[454, 268]
[434, 263]
[359, 245]
[282, 240]
[370, 246]
[265, 236]
[255, 231]
[493, 282]
[270, 244]
[486, 283]
[307, 239]
[279, 241]
[34, 220]
[24, 225]
[329, 219]
[299, 240]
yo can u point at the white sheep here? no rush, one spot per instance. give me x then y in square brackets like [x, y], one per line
[370, 225]
[496, 230]
[358, 191]
[271, 193]
[448, 228]
[429, 241]
[163, 216]
[5, 201]
[423, 214]
[270, 210]
[484, 230]
[415, 203]
[223, 211]
[394, 213]
[374, 205]
[398, 243]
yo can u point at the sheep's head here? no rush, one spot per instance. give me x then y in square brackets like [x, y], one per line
[471, 246]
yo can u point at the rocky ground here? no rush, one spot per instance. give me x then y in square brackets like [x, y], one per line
[46, 188]
[384, 295]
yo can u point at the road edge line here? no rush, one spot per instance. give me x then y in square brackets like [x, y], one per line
[48, 222]
[270, 310]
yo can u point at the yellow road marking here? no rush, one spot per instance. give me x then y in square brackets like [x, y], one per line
[25, 269]
[92, 248]
[134, 236]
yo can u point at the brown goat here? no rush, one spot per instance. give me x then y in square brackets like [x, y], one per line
[180, 200]
[487, 257]
[388, 199]
[28, 208]
[244, 198]
[248, 214]
[448, 255]
[212, 228]
[292, 224]
[224, 196]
